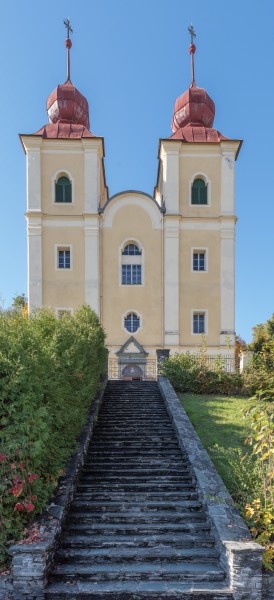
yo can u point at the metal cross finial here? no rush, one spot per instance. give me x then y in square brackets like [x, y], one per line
[68, 44]
[192, 50]
[68, 27]
[192, 32]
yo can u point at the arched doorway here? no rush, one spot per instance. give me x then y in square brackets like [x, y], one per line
[132, 371]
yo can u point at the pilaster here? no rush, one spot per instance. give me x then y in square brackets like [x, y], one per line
[171, 281]
[34, 175]
[92, 159]
[34, 233]
[227, 183]
[92, 263]
[170, 156]
[227, 278]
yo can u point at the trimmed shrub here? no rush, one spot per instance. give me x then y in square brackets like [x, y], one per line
[189, 373]
[50, 370]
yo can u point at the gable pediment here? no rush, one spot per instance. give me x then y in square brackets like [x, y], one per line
[132, 348]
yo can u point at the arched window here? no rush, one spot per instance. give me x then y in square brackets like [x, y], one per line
[199, 192]
[132, 322]
[131, 264]
[63, 189]
[132, 250]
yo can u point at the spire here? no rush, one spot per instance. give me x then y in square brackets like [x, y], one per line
[192, 50]
[194, 110]
[67, 108]
[68, 44]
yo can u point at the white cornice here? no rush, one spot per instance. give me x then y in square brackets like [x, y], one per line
[73, 222]
[231, 147]
[93, 144]
[200, 154]
[61, 151]
[31, 142]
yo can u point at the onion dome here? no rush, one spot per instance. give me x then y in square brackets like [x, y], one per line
[68, 105]
[67, 108]
[194, 111]
[193, 107]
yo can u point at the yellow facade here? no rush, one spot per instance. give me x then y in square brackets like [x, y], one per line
[159, 271]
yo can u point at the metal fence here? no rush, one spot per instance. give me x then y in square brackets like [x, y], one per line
[226, 362]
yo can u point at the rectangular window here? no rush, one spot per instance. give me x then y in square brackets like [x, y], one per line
[131, 274]
[63, 258]
[199, 263]
[199, 323]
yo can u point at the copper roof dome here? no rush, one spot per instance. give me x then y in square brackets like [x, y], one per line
[194, 111]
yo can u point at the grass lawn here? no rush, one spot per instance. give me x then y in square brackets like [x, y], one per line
[219, 420]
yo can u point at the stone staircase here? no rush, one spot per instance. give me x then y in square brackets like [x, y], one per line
[136, 529]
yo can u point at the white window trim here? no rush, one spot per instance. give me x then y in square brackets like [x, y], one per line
[207, 181]
[60, 173]
[140, 261]
[58, 247]
[136, 312]
[61, 308]
[195, 311]
[197, 249]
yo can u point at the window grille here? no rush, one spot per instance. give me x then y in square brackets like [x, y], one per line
[199, 261]
[131, 274]
[132, 322]
[63, 259]
[199, 323]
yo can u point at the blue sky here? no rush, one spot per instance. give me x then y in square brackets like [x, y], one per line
[130, 59]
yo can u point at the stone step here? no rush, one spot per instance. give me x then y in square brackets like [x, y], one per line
[105, 471]
[91, 518]
[79, 503]
[148, 518]
[135, 464]
[139, 554]
[149, 436]
[138, 400]
[145, 444]
[135, 479]
[132, 529]
[119, 453]
[162, 571]
[136, 496]
[139, 432]
[104, 486]
[110, 415]
[145, 420]
[142, 416]
[138, 591]
[176, 540]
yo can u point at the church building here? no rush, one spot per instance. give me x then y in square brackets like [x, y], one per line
[158, 270]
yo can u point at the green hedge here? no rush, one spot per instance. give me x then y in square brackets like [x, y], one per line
[188, 374]
[50, 370]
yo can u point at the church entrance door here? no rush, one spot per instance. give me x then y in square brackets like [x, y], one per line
[132, 371]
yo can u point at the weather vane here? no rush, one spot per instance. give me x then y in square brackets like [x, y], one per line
[68, 43]
[192, 50]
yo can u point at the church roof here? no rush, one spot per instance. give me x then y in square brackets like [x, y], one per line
[64, 130]
[197, 133]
